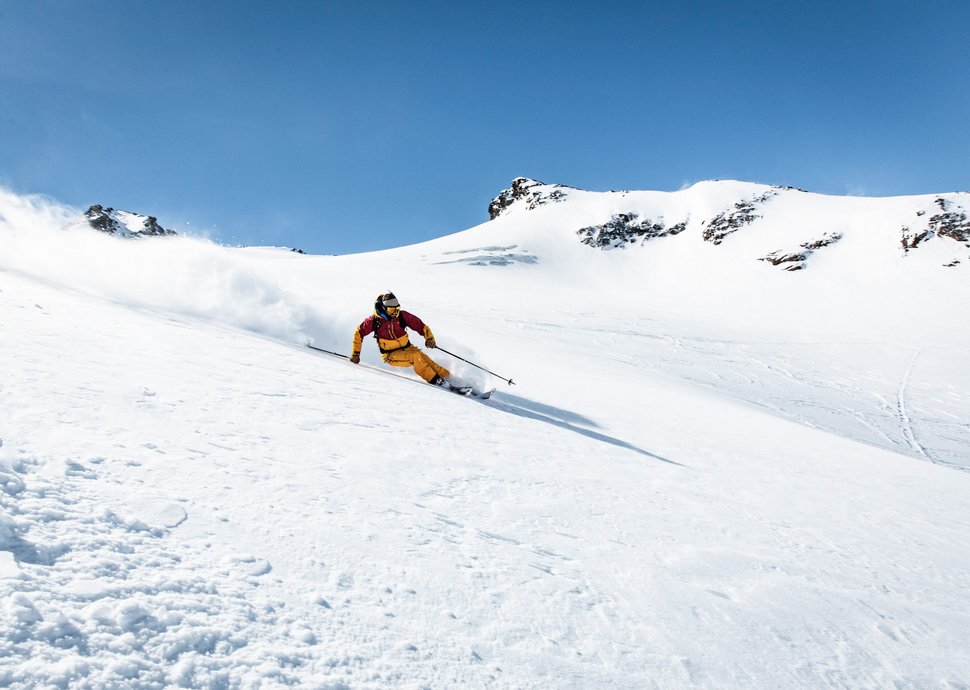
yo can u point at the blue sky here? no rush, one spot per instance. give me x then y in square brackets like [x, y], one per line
[340, 127]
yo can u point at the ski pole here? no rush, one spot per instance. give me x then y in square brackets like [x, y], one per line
[508, 381]
[335, 354]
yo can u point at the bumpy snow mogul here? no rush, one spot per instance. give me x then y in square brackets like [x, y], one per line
[531, 193]
[951, 223]
[624, 229]
[125, 223]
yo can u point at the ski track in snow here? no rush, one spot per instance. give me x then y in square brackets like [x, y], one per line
[819, 395]
[906, 424]
[239, 529]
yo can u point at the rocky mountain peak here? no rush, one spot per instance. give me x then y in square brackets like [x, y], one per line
[789, 228]
[124, 223]
[528, 191]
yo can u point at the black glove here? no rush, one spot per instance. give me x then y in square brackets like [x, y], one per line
[355, 358]
[430, 343]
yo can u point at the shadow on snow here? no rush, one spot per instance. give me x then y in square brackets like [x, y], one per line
[564, 419]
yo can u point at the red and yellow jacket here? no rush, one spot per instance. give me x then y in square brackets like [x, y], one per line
[391, 334]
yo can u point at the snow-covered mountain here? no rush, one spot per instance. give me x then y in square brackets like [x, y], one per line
[124, 223]
[796, 222]
[712, 472]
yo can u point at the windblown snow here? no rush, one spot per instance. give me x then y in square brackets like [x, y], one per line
[713, 472]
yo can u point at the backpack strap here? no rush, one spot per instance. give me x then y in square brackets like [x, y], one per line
[377, 324]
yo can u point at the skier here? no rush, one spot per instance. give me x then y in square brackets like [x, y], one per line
[388, 323]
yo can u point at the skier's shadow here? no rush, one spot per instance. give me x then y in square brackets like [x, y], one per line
[564, 419]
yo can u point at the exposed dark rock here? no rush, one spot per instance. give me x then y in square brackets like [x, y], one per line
[623, 229]
[724, 224]
[952, 224]
[796, 261]
[827, 239]
[101, 219]
[153, 228]
[124, 223]
[533, 192]
[911, 239]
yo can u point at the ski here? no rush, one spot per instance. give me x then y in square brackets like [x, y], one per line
[466, 391]
[460, 390]
[469, 391]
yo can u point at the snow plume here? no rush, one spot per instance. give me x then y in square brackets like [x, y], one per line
[49, 241]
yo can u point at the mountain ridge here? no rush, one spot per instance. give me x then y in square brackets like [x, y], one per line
[718, 209]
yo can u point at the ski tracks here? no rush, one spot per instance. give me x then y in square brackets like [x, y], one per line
[905, 422]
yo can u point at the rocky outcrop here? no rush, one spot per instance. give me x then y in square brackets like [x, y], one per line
[912, 238]
[638, 218]
[790, 262]
[827, 239]
[624, 229]
[951, 222]
[796, 260]
[743, 213]
[124, 223]
[531, 193]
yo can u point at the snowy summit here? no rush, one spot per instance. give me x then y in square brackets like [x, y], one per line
[715, 210]
[737, 454]
[124, 223]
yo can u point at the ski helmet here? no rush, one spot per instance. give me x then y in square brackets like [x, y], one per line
[387, 305]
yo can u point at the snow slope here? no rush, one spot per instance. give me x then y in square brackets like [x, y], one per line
[712, 472]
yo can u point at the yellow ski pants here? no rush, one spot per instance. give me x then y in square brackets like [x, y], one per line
[410, 356]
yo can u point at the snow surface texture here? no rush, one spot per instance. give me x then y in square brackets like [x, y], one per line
[713, 473]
